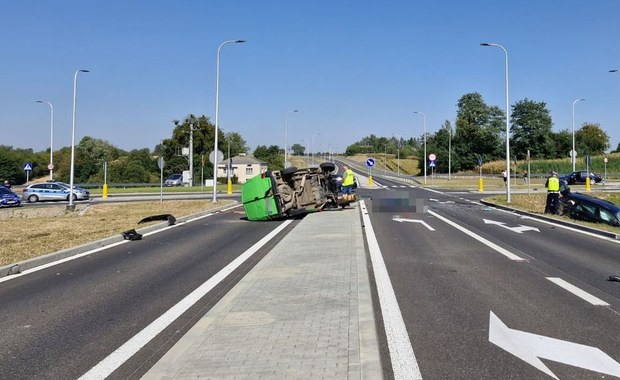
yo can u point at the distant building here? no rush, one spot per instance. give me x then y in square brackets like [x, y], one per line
[244, 167]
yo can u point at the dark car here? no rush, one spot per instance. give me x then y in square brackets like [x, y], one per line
[9, 198]
[584, 207]
[579, 178]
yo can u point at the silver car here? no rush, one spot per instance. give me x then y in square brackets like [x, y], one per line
[53, 191]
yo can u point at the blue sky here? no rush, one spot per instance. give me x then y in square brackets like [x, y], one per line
[352, 68]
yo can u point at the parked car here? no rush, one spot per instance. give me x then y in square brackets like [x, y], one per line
[292, 191]
[53, 191]
[8, 198]
[579, 177]
[174, 180]
[584, 207]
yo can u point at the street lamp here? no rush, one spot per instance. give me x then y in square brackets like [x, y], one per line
[286, 134]
[507, 123]
[398, 154]
[424, 159]
[51, 165]
[217, 107]
[312, 146]
[573, 153]
[73, 136]
[450, 153]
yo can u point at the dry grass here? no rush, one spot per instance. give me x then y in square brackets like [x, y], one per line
[28, 232]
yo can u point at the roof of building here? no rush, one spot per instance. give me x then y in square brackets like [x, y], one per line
[246, 159]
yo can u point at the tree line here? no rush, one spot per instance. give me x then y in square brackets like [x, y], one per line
[480, 134]
[135, 166]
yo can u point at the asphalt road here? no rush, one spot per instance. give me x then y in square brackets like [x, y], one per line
[457, 278]
[59, 322]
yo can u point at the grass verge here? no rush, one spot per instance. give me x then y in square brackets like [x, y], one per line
[35, 231]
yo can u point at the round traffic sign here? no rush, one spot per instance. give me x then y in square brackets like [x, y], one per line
[370, 162]
[432, 157]
[220, 156]
[50, 167]
[605, 160]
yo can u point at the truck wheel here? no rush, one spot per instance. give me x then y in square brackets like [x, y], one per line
[327, 167]
[288, 172]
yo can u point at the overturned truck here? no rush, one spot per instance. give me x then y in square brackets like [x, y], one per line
[292, 191]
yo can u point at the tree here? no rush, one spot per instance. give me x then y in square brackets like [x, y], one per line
[438, 144]
[477, 133]
[531, 129]
[298, 150]
[563, 143]
[591, 140]
[271, 155]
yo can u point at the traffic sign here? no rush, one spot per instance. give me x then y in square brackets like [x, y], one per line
[605, 160]
[220, 156]
[28, 167]
[50, 167]
[160, 162]
[432, 157]
[370, 162]
[432, 164]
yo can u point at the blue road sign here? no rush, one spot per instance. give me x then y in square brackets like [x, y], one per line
[28, 167]
[370, 162]
[432, 163]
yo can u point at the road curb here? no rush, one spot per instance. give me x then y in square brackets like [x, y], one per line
[554, 220]
[34, 262]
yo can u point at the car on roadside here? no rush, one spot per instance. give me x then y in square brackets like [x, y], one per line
[591, 209]
[174, 180]
[9, 198]
[579, 177]
[53, 191]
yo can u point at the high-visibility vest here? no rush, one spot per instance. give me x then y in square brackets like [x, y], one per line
[349, 178]
[554, 184]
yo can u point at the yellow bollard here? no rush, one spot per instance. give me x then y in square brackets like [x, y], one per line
[480, 185]
[369, 180]
[229, 187]
[587, 183]
[105, 191]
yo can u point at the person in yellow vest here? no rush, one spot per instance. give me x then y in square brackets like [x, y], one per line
[348, 180]
[553, 193]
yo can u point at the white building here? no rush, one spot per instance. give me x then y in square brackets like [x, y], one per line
[244, 166]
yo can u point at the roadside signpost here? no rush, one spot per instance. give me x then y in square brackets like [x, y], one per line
[370, 162]
[160, 165]
[27, 169]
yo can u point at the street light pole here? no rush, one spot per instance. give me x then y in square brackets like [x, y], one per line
[507, 122]
[450, 153]
[217, 108]
[73, 136]
[312, 146]
[424, 159]
[573, 153]
[286, 135]
[51, 137]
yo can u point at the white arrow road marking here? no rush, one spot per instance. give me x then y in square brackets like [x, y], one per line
[531, 348]
[414, 221]
[518, 229]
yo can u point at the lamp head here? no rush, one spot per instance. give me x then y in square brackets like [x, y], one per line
[85, 71]
[485, 44]
[240, 41]
[614, 71]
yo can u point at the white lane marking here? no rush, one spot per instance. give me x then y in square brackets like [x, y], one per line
[578, 292]
[530, 347]
[591, 234]
[133, 345]
[484, 241]
[400, 220]
[99, 249]
[404, 363]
